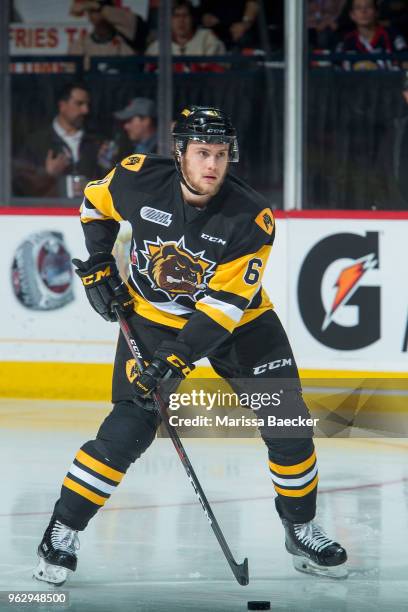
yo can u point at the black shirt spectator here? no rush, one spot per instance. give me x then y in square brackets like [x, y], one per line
[233, 21]
[57, 160]
[322, 22]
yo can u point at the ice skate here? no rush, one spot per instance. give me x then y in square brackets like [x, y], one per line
[313, 552]
[57, 553]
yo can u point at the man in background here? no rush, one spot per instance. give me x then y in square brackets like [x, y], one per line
[138, 135]
[58, 160]
[116, 32]
[233, 21]
[139, 121]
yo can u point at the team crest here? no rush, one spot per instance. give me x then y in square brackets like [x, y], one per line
[131, 370]
[175, 270]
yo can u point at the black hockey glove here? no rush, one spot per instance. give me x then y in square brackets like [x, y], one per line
[103, 284]
[170, 360]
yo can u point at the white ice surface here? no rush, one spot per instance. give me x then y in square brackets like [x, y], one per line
[152, 549]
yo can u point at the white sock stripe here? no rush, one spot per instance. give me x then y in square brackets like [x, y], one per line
[92, 480]
[295, 482]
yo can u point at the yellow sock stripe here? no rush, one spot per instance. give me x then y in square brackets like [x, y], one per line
[298, 492]
[293, 469]
[218, 316]
[90, 495]
[99, 467]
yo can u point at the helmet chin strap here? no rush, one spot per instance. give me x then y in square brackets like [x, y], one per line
[183, 179]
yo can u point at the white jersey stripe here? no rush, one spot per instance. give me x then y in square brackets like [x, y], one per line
[172, 307]
[91, 213]
[231, 311]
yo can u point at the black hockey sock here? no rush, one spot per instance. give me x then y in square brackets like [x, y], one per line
[295, 481]
[91, 479]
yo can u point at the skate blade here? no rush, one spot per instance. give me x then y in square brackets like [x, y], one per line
[306, 566]
[53, 574]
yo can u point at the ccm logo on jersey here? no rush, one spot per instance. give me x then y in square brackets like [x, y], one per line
[156, 216]
[94, 278]
[272, 365]
[213, 239]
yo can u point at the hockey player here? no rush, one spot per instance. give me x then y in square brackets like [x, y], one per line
[201, 240]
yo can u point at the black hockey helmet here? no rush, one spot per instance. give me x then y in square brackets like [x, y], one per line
[204, 124]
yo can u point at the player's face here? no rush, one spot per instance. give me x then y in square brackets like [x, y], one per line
[363, 13]
[76, 108]
[204, 166]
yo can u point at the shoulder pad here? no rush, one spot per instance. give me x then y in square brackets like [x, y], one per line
[134, 162]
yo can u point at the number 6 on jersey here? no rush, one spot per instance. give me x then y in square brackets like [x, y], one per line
[251, 276]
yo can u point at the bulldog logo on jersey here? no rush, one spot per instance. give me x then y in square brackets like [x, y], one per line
[174, 269]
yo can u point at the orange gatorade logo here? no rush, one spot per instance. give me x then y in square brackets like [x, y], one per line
[347, 283]
[339, 290]
[175, 270]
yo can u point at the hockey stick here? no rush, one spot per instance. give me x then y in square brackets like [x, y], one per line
[240, 571]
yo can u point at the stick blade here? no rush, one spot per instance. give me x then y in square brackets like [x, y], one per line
[241, 572]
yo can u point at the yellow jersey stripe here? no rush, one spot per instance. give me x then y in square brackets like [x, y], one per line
[298, 492]
[298, 468]
[99, 467]
[217, 315]
[230, 276]
[145, 309]
[84, 492]
[97, 192]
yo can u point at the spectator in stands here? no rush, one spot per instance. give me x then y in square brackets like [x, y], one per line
[369, 37]
[57, 161]
[233, 21]
[139, 123]
[322, 22]
[116, 31]
[187, 38]
[391, 174]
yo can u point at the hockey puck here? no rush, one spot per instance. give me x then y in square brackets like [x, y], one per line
[259, 605]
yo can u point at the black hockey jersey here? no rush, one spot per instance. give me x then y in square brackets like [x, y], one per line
[196, 270]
